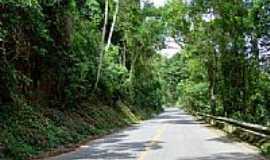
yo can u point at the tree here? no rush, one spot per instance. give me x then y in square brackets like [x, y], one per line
[102, 43]
[227, 39]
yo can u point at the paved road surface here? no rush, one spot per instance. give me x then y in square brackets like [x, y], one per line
[174, 135]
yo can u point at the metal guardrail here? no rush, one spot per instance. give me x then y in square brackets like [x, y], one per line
[248, 126]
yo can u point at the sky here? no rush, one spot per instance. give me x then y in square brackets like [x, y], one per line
[157, 3]
[171, 49]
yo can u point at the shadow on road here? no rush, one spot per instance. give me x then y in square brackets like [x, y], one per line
[113, 147]
[177, 117]
[116, 151]
[171, 116]
[118, 137]
[226, 156]
[225, 139]
[182, 122]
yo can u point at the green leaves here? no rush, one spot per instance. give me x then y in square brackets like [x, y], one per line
[176, 17]
[48, 71]
[221, 58]
[23, 3]
[91, 10]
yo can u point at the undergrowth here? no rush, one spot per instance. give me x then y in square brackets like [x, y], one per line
[33, 130]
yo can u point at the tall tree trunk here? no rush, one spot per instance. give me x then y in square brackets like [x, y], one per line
[124, 56]
[113, 24]
[102, 43]
[212, 86]
[131, 73]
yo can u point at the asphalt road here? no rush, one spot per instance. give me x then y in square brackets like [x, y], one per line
[173, 135]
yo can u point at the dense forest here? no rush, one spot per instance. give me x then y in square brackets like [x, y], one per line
[223, 68]
[70, 69]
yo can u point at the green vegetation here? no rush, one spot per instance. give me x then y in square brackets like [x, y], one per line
[73, 69]
[32, 131]
[221, 69]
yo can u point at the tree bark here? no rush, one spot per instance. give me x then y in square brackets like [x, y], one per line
[102, 43]
[113, 24]
[212, 73]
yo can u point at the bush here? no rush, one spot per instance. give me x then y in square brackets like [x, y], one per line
[194, 95]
